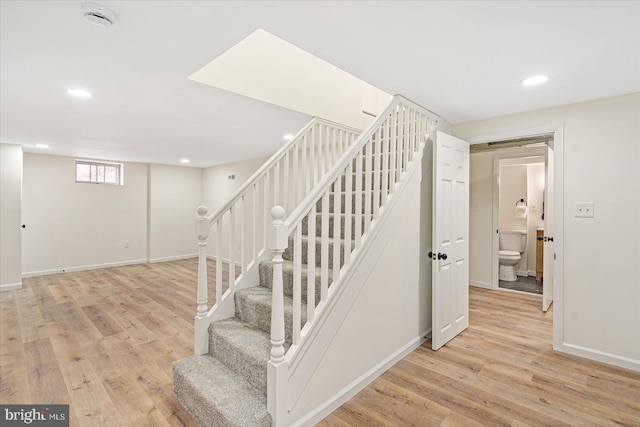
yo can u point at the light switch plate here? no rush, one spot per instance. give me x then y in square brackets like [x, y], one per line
[584, 210]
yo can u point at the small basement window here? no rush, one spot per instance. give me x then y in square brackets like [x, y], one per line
[95, 172]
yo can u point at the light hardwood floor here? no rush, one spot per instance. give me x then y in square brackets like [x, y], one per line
[103, 342]
[500, 372]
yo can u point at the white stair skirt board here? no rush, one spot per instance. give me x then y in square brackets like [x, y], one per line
[359, 384]
[83, 268]
[601, 356]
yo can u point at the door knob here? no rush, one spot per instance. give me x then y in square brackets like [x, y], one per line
[551, 239]
[442, 256]
[539, 238]
[431, 255]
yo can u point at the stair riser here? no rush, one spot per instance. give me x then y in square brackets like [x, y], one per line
[343, 205]
[252, 371]
[343, 183]
[266, 280]
[289, 252]
[257, 312]
[305, 222]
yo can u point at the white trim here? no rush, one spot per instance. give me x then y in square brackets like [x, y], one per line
[172, 258]
[484, 285]
[601, 356]
[340, 398]
[558, 243]
[82, 268]
[10, 287]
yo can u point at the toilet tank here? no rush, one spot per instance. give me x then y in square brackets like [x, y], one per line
[513, 240]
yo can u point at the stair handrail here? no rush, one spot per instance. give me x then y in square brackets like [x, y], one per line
[411, 140]
[297, 214]
[277, 156]
[243, 235]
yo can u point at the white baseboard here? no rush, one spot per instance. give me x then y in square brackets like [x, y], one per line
[10, 287]
[481, 284]
[523, 273]
[223, 259]
[83, 268]
[359, 384]
[172, 258]
[600, 356]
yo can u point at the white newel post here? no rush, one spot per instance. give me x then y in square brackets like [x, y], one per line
[201, 323]
[277, 241]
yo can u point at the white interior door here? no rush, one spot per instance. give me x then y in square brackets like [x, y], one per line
[549, 255]
[450, 253]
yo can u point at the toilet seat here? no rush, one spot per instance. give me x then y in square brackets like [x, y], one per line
[509, 254]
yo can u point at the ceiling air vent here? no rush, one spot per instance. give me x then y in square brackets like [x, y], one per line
[98, 15]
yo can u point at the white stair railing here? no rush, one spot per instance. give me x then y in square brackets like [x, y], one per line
[239, 228]
[364, 179]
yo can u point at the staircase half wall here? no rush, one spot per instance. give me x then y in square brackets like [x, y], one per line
[384, 312]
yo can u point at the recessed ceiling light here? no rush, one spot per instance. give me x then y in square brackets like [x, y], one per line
[77, 92]
[184, 161]
[288, 137]
[535, 80]
[42, 145]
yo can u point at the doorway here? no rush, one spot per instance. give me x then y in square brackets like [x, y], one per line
[520, 209]
[483, 236]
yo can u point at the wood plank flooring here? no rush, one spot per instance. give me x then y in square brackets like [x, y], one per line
[500, 372]
[103, 342]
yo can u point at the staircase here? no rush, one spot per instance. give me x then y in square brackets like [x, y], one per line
[250, 344]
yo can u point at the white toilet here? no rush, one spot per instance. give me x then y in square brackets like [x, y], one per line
[512, 246]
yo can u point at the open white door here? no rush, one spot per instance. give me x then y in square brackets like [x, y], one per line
[450, 253]
[549, 256]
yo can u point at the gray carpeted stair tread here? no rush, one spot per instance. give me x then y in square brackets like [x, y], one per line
[214, 395]
[253, 305]
[245, 349]
[305, 222]
[266, 278]
[289, 252]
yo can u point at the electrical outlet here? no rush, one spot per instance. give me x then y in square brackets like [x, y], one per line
[584, 210]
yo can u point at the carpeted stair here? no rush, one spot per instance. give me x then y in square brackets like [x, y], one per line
[228, 386]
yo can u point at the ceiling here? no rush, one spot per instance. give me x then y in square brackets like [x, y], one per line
[462, 60]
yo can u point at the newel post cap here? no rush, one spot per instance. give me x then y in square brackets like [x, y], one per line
[277, 235]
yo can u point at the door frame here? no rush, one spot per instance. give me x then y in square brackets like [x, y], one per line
[495, 243]
[557, 130]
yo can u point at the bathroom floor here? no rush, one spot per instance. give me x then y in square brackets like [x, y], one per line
[524, 284]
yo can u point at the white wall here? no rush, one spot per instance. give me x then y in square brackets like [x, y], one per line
[217, 188]
[75, 226]
[480, 219]
[265, 67]
[10, 216]
[174, 196]
[601, 296]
